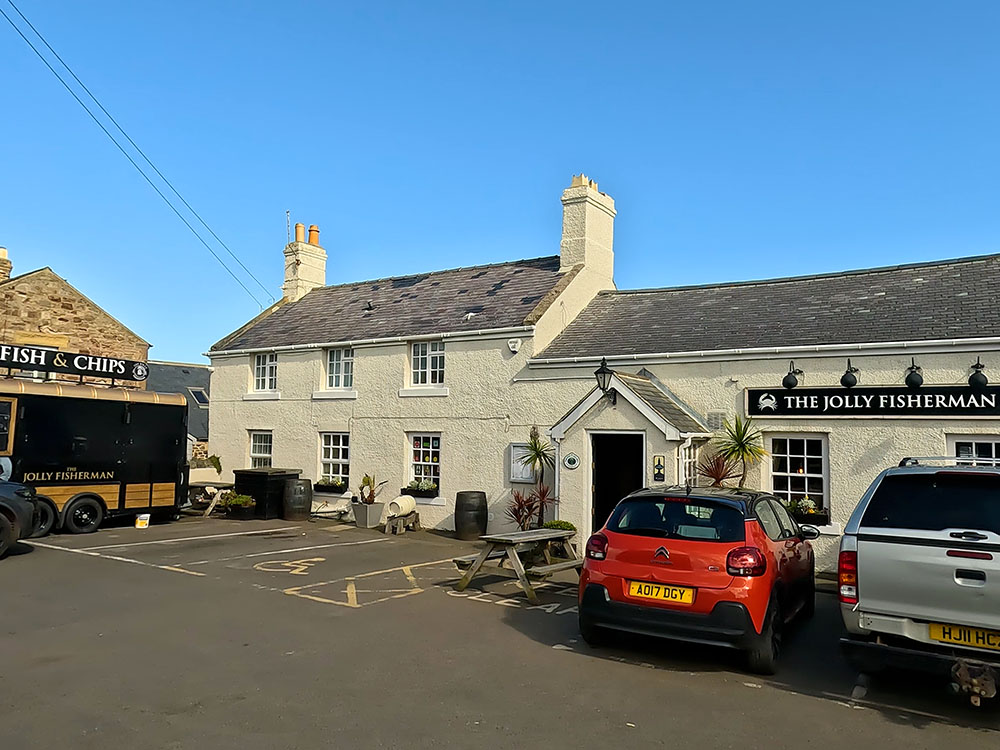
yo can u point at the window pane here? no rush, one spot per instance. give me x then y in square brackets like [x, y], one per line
[780, 463]
[779, 445]
[814, 465]
[814, 447]
[796, 447]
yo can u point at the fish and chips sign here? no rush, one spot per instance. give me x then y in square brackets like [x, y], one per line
[49, 360]
[886, 402]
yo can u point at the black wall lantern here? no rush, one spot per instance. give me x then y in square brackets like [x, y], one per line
[913, 377]
[977, 380]
[850, 377]
[603, 375]
[791, 379]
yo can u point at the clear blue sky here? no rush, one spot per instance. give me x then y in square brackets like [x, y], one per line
[739, 139]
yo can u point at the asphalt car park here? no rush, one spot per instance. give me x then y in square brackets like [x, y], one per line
[210, 633]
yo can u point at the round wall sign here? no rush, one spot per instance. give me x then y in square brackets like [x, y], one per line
[571, 461]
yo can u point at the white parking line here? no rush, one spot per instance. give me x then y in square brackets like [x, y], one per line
[184, 539]
[283, 551]
[116, 558]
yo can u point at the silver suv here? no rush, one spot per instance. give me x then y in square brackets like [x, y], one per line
[919, 574]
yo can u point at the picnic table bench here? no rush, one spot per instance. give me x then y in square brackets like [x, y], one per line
[510, 547]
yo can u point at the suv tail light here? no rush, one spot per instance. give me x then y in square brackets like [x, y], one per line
[597, 547]
[847, 577]
[746, 561]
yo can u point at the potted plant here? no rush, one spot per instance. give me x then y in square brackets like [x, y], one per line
[423, 488]
[239, 507]
[334, 486]
[805, 511]
[367, 512]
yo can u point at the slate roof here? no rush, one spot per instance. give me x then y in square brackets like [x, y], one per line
[177, 377]
[499, 295]
[663, 402]
[917, 302]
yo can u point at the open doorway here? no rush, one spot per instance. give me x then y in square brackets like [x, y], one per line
[619, 460]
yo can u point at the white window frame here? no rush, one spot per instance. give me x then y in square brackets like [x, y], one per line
[427, 361]
[824, 475]
[688, 460]
[340, 368]
[193, 389]
[517, 472]
[265, 372]
[335, 454]
[421, 469]
[974, 460]
[258, 458]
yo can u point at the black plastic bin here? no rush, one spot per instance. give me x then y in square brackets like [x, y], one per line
[266, 487]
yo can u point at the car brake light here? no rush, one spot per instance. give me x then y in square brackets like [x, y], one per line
[597, 547]
[847, 577]
[746, 561]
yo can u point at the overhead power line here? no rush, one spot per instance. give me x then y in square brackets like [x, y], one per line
[125, 153]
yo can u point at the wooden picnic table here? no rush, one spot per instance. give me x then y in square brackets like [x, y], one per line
[510, 547]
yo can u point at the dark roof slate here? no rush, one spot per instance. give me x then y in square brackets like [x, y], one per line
[499, 295]
[918, 302]
[663, 402]
[176, 377]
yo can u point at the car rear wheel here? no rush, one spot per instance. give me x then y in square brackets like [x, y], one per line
[762, 657]
[83, 516]
[6, 535]
[592, 634]
[47, 516]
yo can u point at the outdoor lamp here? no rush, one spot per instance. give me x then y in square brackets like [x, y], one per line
[603, 375]
[850, 378]
[977, 380]
[913, 377]
[791, 380]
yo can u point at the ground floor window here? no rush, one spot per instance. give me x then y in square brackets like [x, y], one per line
[689, 465]
[336, 459]
[799, 470]
[426, 458]
[978, 450]
[260, 450]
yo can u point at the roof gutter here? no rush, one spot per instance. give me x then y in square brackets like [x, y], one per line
[373, 342]
[776, 352]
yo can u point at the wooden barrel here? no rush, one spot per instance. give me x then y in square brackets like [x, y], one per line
[298, 500]
[402, 505]
[471, 514]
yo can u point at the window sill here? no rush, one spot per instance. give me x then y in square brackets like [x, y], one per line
[439, 500]
[424, 390]
[832, 529]
[262, 396]
[334, 394]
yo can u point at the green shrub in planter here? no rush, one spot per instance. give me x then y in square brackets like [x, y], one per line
[561, 525]
[330, 485]
[232, 500]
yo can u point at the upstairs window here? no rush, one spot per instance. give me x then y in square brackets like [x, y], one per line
[427, 363]
[340, 368]
[265, 372]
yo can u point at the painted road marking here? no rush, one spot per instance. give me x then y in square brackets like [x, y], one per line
[286, 551]
[90, 553]
[351, 589]
[292, 567]
[185, 539]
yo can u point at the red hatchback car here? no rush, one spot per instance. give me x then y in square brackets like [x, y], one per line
[718, 566]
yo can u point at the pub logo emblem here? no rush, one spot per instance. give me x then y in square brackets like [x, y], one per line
[140, 371]
[767, 402]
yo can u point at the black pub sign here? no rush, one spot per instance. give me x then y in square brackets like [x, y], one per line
[877, 402]
[47, 360]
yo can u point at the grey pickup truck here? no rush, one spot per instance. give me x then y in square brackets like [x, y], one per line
[919, 574]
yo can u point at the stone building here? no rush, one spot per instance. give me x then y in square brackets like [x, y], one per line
[440, 376]
[42, 309]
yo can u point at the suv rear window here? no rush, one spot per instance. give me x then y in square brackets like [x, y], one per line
[936, 501]
[678, 518]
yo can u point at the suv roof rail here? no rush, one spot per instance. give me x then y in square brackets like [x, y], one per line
[951, 460]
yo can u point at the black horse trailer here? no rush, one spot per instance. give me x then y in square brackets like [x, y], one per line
[93, 453]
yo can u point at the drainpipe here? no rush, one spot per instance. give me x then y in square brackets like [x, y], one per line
[555, 480]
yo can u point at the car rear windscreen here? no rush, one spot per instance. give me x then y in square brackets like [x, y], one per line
[678, 518]
[936, 501]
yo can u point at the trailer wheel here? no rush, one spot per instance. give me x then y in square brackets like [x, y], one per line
[6, 535]
[83, 516]
[48, 515]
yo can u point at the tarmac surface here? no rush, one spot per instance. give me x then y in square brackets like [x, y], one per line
[269, 634]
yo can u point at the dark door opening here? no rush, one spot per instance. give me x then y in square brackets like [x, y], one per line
[618, 470]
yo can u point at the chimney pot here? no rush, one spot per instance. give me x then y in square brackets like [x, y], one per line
[300, 232]
[5, 265]
[313, 234]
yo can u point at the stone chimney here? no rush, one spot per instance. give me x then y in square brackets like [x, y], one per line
[588, 229]
[305, 264]
[5, 265]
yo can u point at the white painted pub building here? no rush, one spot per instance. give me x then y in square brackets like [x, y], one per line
[440, 376]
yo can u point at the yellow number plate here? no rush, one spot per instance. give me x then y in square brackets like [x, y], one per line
[673, 594]
[960, 635]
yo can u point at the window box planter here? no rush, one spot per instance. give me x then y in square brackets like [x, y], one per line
[819, 518]
[328, 489]
[418, 493]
